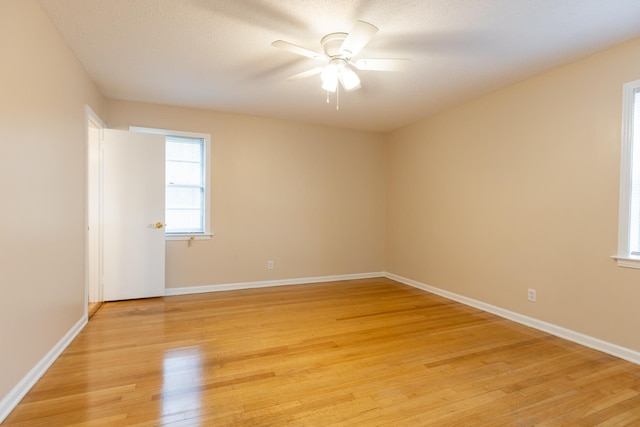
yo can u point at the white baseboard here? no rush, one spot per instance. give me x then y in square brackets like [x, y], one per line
[577, 337]
[11, 400]
[268, 283]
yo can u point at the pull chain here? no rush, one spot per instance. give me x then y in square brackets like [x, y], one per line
[337, 97]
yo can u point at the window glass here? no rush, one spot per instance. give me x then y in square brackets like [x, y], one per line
[184, 193]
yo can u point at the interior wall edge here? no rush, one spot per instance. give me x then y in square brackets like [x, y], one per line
[11, 400]
[558, 331]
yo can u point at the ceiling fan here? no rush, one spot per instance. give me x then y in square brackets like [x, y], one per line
[338, 58]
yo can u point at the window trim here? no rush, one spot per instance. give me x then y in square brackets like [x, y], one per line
[625, 258]
[206, 235]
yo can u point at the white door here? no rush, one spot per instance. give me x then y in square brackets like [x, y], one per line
[133, 215]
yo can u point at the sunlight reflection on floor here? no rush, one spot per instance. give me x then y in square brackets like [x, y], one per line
[182, 383]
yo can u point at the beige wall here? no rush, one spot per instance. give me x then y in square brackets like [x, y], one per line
[43, 92]
[518, 190]
[310, 198]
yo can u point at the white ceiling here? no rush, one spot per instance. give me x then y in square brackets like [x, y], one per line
[217, 54]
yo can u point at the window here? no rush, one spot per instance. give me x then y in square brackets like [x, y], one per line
[629, 222]
[186, 183]
[184, 180]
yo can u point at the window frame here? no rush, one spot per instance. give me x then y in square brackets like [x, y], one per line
[625, 257]
[206, 234]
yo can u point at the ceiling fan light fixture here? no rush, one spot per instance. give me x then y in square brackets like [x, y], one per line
[330, 78]
[349, 79]
[339, 71]
[330, 85]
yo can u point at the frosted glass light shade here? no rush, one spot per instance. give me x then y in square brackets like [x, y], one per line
[349, 79]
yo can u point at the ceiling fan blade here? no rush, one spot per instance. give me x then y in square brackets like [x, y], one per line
[359, 36]
[382, 64]
[298, 50]
[307, 73]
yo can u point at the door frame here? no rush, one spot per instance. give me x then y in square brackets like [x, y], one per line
[93, 201]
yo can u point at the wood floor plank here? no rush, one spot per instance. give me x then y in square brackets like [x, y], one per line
[364, 352]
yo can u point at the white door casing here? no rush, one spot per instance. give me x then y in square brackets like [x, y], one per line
[94, 237]
[133, 215]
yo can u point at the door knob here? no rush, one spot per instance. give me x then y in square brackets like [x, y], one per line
[159, 225]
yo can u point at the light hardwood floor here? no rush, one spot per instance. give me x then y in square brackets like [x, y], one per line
[357, 353]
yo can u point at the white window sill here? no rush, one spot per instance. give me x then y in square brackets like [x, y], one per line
[189, 236]
[626, 261]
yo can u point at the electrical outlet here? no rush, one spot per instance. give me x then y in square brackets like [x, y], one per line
[270, 265]
[531, 295]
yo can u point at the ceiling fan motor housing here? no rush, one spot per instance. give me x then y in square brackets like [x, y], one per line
[331, 44]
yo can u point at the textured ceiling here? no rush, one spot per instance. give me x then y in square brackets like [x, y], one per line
[217, 54]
